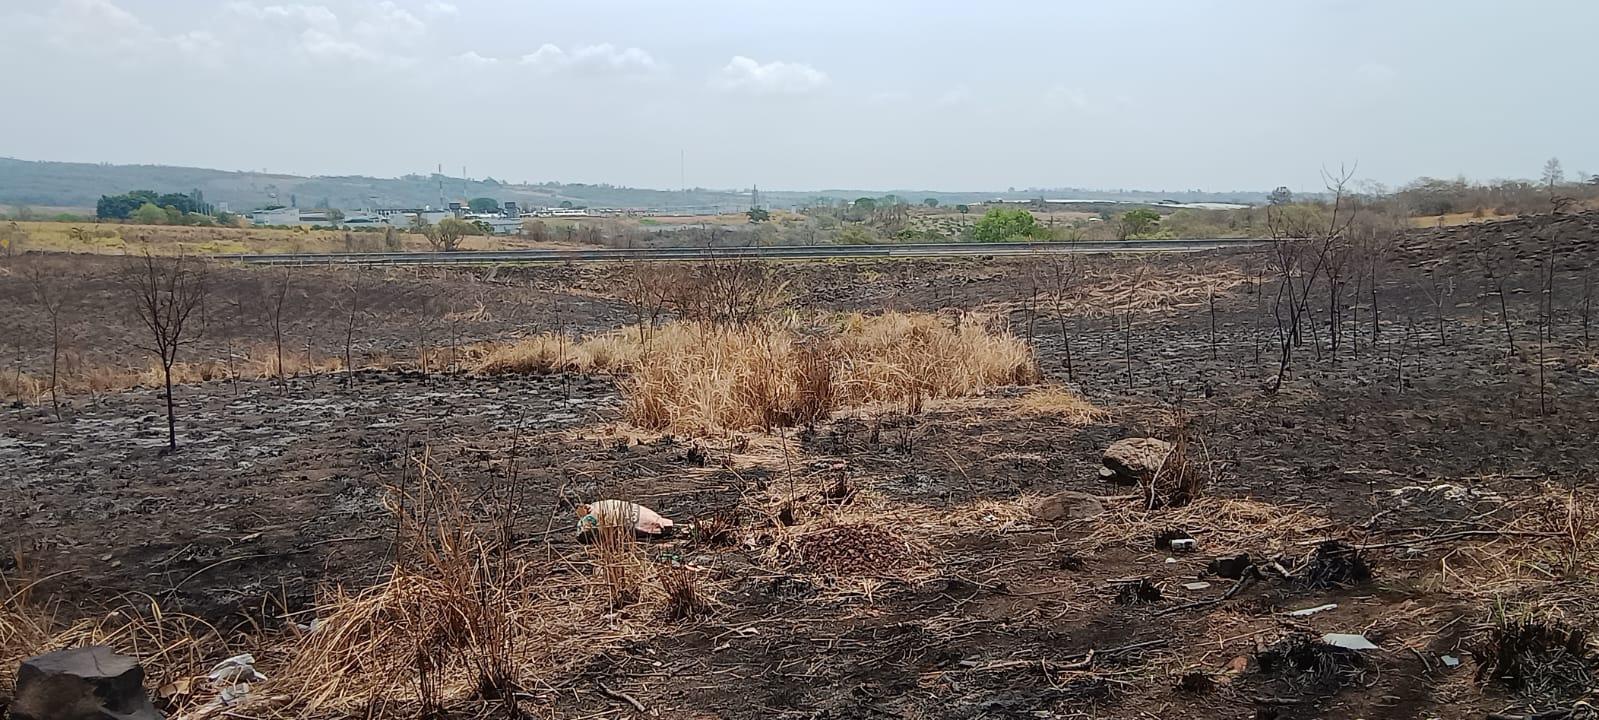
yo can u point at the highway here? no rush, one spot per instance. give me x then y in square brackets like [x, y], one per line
[795, 252]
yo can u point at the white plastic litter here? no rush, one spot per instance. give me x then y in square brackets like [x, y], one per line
[621, 513]
[1349, 642]
[1313, 610]
[1450, 660]
[235, 670]
[1184, 545]
[1196, 585]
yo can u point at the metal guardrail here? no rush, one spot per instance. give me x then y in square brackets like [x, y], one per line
[795, 252]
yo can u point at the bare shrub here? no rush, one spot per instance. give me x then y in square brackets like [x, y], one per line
[164, 295]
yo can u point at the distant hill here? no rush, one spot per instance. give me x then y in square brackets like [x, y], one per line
[59, 184]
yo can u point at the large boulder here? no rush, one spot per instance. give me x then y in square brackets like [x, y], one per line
[89, 683]
[1132, 461]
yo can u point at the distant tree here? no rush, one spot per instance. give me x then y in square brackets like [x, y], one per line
[1002, 225]
[164, 294]
[931, 202]
[227, 219]
[174, 215]
[1136, 223]
[758, 215]
[1552, 173]
[1281, 196]
[391, 240]
[865, 204]
[963, 209]
[536, 230]
[11, 239]
[447, 235]
[856, 235]
[483, 228]
[149, 214]
[566, 204]
[483, 205]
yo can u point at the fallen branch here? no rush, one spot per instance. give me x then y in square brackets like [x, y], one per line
[1078, 661]
[1248, 578]
[619, 695]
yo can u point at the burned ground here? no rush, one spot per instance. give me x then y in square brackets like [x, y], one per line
[1466, 481]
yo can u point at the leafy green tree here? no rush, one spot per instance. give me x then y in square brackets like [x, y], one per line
[483, 205]
[758, 215]
[174, 215]
[1281, 196]
[1137, 223]
[864, 204]
[1002, 225]
[963, 209]
[931, 202]
[149, 214]
[566, 204]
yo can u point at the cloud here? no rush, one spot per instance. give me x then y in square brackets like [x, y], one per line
[958, 95]
[602, 59]
[317, 16]
[385, 22]
[742, 74]
[472, 58]
[1061, 97]
[441, 9]
[370, 32]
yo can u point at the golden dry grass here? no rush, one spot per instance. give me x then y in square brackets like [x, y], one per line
[703, 377]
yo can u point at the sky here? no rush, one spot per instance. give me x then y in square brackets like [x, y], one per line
[815, 94]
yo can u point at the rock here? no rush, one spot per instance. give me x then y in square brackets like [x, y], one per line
[1067, 505]
[1135, 460]
[90, 683]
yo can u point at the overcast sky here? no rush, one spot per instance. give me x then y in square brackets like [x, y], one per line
[878, 94]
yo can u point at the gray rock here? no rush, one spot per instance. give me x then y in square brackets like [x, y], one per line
[90, 683]
[1136, 460]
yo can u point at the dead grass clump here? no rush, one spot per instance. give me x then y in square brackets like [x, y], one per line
[715, 529]
[1308, 663]
[550, 353]
[1540, 658]
[682, 588]
[852, 549]
[1182, 476]
[453, 612]
[1056, 400]
[703, 377]
[175, 649]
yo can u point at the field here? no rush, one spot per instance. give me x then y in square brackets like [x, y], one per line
[121, 238]
[885, 475]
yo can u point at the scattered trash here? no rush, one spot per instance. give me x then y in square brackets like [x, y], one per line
[1442, 492]
[1184, 545]
[235, 670]
[1348, 641]
[1232, 568]
[1165, 538]
[1313, 610]
[620, 513]
[1201, 585]
[1450, 660]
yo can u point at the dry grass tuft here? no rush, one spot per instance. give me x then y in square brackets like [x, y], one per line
[1057, 400]
[704, 377]
[1541, 658]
